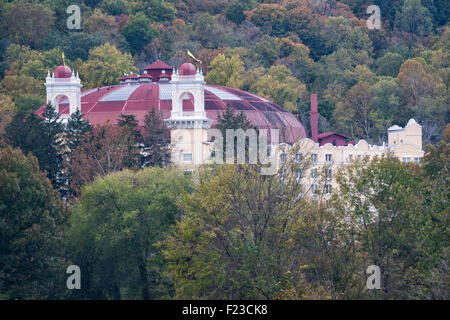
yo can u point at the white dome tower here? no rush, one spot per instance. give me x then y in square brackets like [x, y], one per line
[189, 130]
[64, 84]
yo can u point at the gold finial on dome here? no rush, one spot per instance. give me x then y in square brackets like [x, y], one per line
[64, 63]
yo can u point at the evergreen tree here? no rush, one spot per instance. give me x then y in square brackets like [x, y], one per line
[52, 124]
[130, 121]
[230, 120]
[76, 130]
[53, 129]
[156, 140]
[39, 137]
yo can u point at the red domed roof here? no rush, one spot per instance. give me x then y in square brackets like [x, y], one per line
[187, 69]
[107, 103]
[63, 72]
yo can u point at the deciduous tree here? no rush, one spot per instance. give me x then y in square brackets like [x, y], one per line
[114, 230]
[26, 23]
[33, 219]
[105, 66]
[105, 150]
[414, 18]
[225, 71]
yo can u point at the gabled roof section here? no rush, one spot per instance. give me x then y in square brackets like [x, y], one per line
[327, 134]
[157, 65]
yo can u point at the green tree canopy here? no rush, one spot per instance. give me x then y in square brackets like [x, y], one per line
[279, 85]
[138, 32]
[414, 18]
[33, 219]
[237, 238]
[26, 23]
[114, 230]
[226, 71]
[106, 64]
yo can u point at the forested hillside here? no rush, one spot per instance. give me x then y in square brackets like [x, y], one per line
[367, 80]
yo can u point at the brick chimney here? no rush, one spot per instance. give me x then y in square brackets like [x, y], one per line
[314, 118]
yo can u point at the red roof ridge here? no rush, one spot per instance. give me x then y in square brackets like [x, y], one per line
[326, 134]
[158, 64]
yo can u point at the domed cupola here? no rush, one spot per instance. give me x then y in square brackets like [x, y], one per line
[64, 85]
[63, 72]
[187, 69]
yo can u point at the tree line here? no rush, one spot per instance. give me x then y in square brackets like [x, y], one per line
[227, 232]
[75, 153]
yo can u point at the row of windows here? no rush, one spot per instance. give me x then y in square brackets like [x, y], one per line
[408, 159]
[187, 157]
[328, 173]
[314, 174]
[314, 157]
[299, 157]
[329, 157]
[315, 188]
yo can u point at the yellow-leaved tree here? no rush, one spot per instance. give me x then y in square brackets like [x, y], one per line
[105, 65]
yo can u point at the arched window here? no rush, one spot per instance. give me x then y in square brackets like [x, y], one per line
[187, 103]
[62, 104]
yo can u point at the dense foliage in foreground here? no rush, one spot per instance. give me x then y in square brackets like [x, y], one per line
[229, 233]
